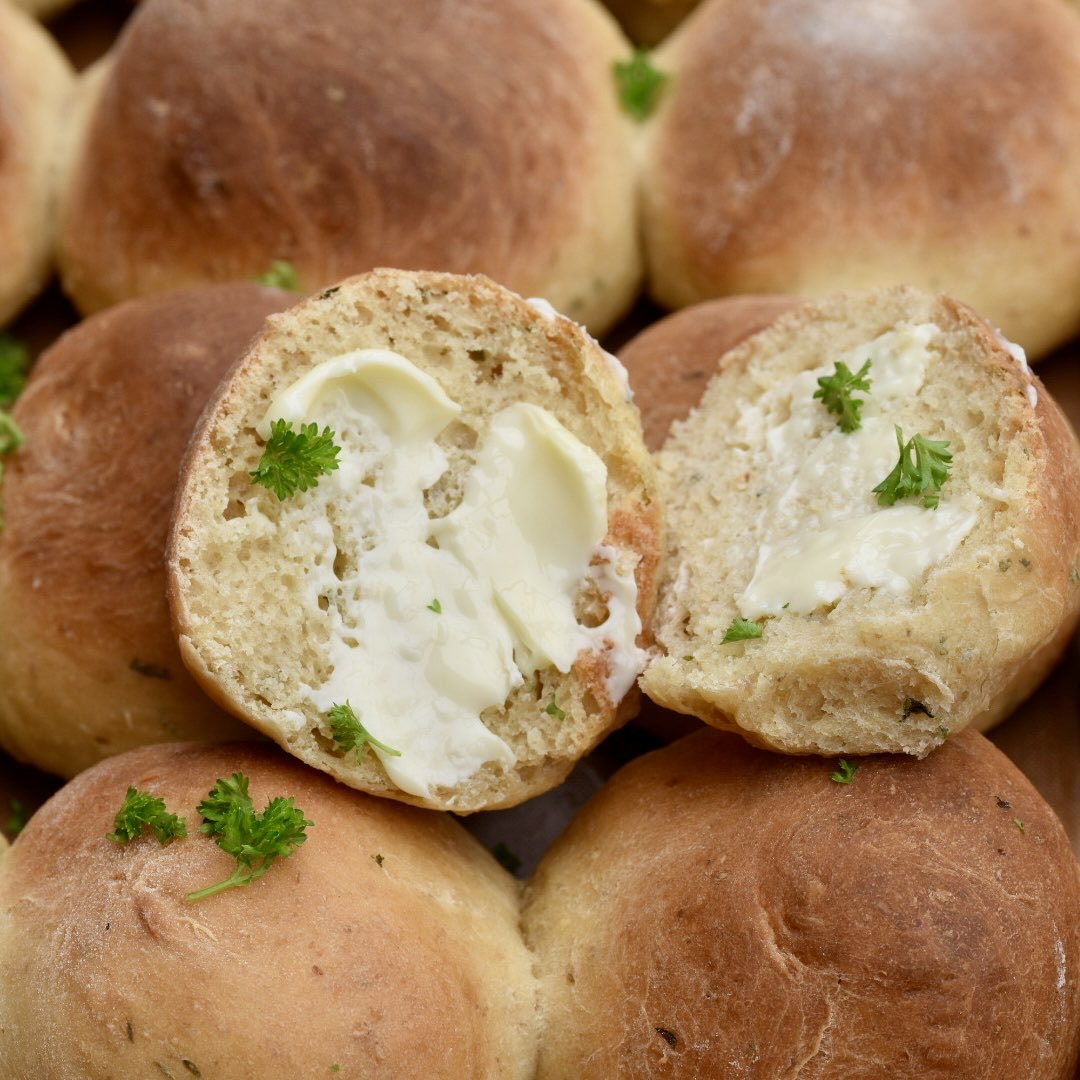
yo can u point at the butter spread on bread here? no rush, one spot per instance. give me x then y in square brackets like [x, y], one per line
[452, 611]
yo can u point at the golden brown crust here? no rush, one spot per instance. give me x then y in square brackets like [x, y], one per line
[35, 82]
[387, 944]
[717, 910]
[670, 363]
[426, 135]
[88, 662]
[806, 148]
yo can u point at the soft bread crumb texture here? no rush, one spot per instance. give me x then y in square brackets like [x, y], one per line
[873, 671]
[255, 635]
[388, 943]
[717, 911]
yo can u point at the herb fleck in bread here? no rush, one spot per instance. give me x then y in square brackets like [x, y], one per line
[876, 666]
[264, 591]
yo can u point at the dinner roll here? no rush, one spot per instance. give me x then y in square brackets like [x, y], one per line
[465, 136]
[812, 146]
[35, 83]
[386, 945]
[88, 661]
[670, 362]
[820, 599]
[472, 577]
[718, 911]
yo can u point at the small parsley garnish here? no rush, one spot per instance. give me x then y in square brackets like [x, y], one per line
[281, 275]
[435, 606]
[921, 470]
[256, 841]
[294, 460]
[506, 858]
[350, 734]
[741, 630]
[140, 810]
[11, 436]
[836, 390]
[17, 818]
[845, 771]
[14, 363]
[639, 84]
[1018, 823]
[554, 710]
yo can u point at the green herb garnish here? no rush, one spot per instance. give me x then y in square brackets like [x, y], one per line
[140, 810]
[281, 275]
[294, 461]
[350, 734]
[435, 606]
[639, 84]
[845, 771]
[1018, 823]
[836, 390]
[256, 841]
[17, 818]
[554, 710]
[14, 364]
[921, 470]
[11, 436]
[741, 630]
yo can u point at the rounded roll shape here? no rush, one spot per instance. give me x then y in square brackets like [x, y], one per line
[385, 946]
[35, 85]
[468, 137]
[808, 147]
[720, 911]
[88, 662]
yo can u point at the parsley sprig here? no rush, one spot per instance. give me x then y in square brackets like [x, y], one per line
[294, 460]
[350, 734]
[11, 436]
[280, 275]
[14, 362]
[741, 630]
[845, 771]
[256, 841]
[836, 392]
[639, 84]
[921, 470]
[140, 811]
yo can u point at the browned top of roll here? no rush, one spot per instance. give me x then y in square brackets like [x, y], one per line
[86, 639]
[458, 136]
[386, 945]
[721, 911]
[810, 146]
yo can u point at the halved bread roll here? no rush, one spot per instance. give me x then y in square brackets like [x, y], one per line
[387, 945]
[470, 583]
[882, 627]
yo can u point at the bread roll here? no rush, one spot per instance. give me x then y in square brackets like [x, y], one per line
[386, 946]
[35, 83]
[883, 628]
[489, 643]
[719, 912]
[467, 137]
[812, 146]
[670, 362]
[88, 661]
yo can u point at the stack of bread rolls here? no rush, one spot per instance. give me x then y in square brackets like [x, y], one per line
[500, 537]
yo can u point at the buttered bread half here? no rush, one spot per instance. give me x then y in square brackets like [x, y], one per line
[873, 523]
[417, 538]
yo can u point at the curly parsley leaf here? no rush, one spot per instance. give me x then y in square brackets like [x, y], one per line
[14, 364]
[836, 392]
[639, 84]
[350, 734]
[294, 460]
[281, 275]
[741, 630]
[554, 710]
[139, 811]
[256, 841]
[921, 470]
[845, 771]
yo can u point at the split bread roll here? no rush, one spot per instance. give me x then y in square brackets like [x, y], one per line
[386, 945]
[718, 911]
[88, 661]
[35, 84]
[882, 628]
[469, 137]
[473, 578]
[814, 146]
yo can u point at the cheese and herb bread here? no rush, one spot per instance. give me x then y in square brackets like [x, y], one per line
[361, 938]
[873, 523]
[88, 662]
[417, 539]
